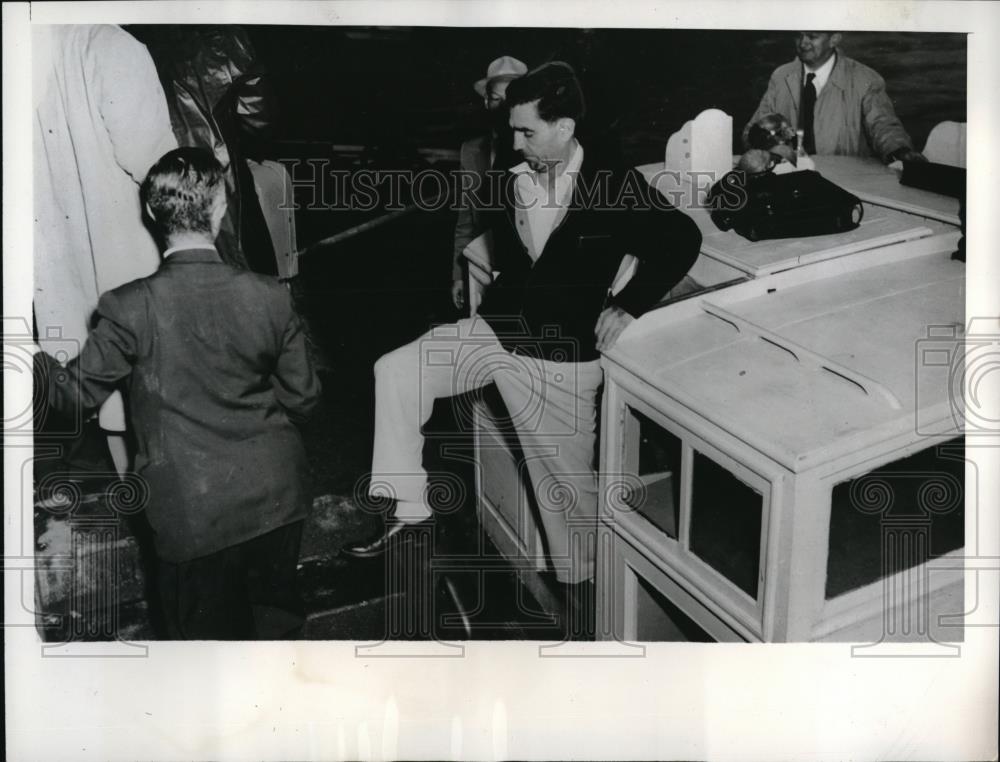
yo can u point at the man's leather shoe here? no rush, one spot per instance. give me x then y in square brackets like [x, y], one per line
[379, 543]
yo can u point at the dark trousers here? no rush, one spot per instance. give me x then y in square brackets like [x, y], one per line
[244, 592]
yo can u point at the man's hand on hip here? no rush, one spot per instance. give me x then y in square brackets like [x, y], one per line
[609, 326]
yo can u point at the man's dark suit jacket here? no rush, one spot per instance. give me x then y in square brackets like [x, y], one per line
[474, 159]
[216, 374]
[549, 308]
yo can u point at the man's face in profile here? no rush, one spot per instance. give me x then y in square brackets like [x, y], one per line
[496, 91]
[541, 143]
[815, 48]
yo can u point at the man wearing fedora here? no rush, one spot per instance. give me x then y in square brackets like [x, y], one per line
[565, 222]
[477, 157]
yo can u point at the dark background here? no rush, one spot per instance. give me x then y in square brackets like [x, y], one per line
[413, 87]
[396, 92]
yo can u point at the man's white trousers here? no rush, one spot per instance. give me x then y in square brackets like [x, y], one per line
[552, 405]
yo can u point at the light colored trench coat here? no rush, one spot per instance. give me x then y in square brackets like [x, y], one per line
[854, 115]
[101, 121]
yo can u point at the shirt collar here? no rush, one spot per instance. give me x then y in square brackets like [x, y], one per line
[572, 166]
[206, 247]
[532, 190]
[822, 73]
[575, 161]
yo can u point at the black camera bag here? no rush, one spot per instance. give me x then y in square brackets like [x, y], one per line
[792, 205]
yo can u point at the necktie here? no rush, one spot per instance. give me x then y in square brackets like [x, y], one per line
[808, 105]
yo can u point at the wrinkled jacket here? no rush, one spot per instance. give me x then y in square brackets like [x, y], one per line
[474, 157]
[218, 97]
[854, 115]
[218, 378]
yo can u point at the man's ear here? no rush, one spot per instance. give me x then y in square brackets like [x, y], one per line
[835, 39]
[149, 211]
[567, 126]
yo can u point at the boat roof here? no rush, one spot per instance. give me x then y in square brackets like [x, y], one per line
[814, 363]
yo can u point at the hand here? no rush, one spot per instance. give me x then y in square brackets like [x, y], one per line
[755, 161]
[610, 324]
[458, 294]
[907, 154]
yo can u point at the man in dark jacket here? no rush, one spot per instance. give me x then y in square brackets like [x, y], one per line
[559, 240]
[217, 376]
[477, 157]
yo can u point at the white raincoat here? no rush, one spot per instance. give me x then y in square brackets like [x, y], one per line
[101, 121]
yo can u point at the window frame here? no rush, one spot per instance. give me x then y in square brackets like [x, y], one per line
[709, 586]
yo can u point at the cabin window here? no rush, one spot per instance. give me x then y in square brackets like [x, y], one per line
[897, 516]
[726, 523]
[658, 466]
[657, 619]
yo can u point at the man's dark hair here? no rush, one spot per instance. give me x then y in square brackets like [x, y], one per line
[180, 190]
[555, 86]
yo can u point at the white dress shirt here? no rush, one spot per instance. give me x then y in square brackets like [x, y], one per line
[539, 207]
[822, 73]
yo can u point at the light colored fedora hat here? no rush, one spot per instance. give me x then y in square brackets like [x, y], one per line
[505, 67]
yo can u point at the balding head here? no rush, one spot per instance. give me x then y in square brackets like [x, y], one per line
[815, 48]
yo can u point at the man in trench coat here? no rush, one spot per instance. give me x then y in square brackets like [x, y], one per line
[852, 113]
[101, 120]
